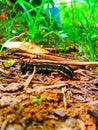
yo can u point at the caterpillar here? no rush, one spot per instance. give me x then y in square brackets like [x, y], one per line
[63, 69]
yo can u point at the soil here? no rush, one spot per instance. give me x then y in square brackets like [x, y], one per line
[41, 101]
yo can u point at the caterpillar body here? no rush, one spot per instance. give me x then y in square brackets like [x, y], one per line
[63, 69]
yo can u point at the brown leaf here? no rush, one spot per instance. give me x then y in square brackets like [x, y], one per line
[13, 87]
[25, 46]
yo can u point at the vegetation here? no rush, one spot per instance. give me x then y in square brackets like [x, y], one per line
[80, 22]
[79, 25]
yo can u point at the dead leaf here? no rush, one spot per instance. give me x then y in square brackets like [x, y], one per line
[25, 46]
[13, 87]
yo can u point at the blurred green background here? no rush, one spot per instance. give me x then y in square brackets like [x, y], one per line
[56, 24]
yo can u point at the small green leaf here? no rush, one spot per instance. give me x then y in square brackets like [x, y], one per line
[36, 100]
[19, 108]
[9, 63]
[42, 97]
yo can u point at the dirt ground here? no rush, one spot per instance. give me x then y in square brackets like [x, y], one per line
[47, 101]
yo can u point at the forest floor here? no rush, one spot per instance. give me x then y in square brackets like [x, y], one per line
[47, 101]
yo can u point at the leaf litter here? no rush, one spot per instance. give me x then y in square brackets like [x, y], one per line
[45, 102]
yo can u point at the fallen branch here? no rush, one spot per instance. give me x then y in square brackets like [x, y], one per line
[68, 62]
[55, 59]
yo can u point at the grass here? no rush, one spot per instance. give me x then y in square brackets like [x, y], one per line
[80, 22]
[79, 26]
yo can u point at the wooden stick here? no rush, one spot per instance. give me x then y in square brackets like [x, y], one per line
[68, 62]
[56, 59]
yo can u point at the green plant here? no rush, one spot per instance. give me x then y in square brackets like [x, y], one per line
[90, 20]
[19, 108]
[79, 21]
[79, 25]
[32, 16]
[38, 100]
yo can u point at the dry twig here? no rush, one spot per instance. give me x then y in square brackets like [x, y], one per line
[27, 82]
